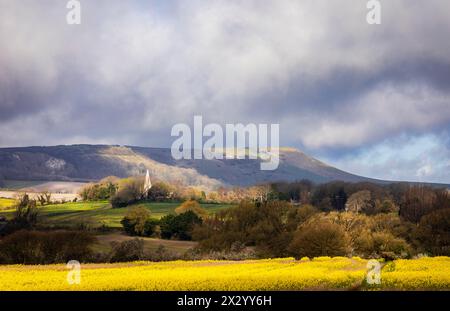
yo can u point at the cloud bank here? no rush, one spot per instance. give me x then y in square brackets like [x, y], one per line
[342, 90]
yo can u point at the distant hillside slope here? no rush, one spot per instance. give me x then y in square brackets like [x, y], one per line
[93, 162]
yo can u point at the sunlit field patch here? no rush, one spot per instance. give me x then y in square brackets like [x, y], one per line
[424, 273]
[269, 274]
[6, 203]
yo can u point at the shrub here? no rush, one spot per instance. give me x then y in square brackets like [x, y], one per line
[134, 222]
[130, 250]
[297, 216]
[264, 225]
[433, 232]
[45, 198]
[129, 192]
[416, 202]
[160, 191]
[360, 202]
[25, 216]
[386, 245]
[34, 247]
[386, 206]
[151, 227]
[103, 190]
[179, 227]
[241, 254]
[319, 237]
[162, 254]
[193, 206]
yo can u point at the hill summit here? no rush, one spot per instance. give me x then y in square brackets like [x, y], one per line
[94, 162]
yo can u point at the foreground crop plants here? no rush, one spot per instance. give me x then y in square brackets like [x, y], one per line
[321, 273]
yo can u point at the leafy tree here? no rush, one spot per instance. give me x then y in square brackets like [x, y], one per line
[100, 191]
[160, 191]
[299, 215]
[36, 247]
[263, 225]
[416, 202]
[151, 227]
[442, 199]
[298, 191]
[433, 232]
[25, 215]
[386, 206]
[319, 237]
[330, 196]
[130, 191]
[180, 226]
[134, 222]
[193, 206]
[388, 246]
[45, 198]
[360, 201]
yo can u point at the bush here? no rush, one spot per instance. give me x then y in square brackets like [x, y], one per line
[45, 198]
[433, 232]
[193, 206]
[179, 227]
[360, 202]
[160, 191]
[416, 202]
[35, 247]
[151, 227]
[386, 245]
[162, 254]
[129, 192]
[25, 216]
[232, 254]
[103, 190]
[130, 250]
[134, 222]
[297, 216]
[319, 237]
[263, 225]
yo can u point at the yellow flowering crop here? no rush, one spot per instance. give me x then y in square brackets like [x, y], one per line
[431, 273]
[268, 274]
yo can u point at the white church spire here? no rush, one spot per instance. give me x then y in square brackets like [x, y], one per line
[147, 183]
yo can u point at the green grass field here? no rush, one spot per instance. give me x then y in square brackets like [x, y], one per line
[96, 214]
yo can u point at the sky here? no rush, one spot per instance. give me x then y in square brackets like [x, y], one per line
[369, 99]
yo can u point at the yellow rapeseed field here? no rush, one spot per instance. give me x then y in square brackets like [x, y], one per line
[424, 273]
[269, 274]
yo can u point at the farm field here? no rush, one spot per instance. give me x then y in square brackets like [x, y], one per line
[6, 203]
[96, 214]
[150, 244]
[321, 273]
[424, 273]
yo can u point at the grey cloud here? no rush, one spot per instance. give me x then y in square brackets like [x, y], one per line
[133, 69]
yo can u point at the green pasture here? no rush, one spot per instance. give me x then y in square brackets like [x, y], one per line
[100, 213]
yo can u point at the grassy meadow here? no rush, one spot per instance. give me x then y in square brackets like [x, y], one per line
[176, 247]
[99, 213]
[321, 273]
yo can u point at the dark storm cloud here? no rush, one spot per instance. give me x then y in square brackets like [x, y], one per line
[339, 88]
